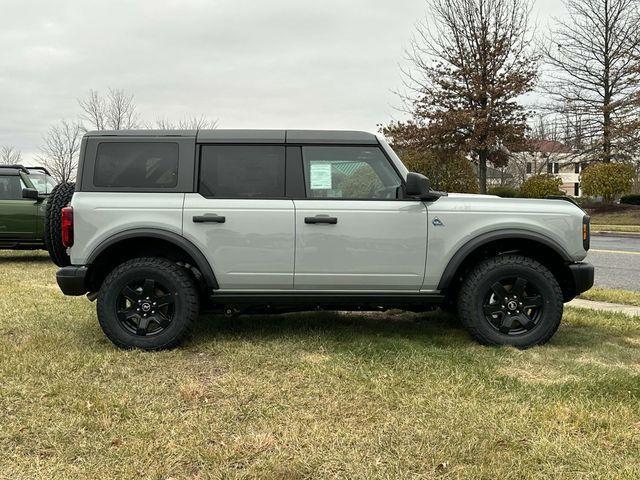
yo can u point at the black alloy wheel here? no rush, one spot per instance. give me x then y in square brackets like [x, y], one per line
[513, 306]
[145, 307]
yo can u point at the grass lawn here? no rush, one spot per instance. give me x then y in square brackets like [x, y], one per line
[615, 228]
[624, 297]
[308, 396]
[612, 215]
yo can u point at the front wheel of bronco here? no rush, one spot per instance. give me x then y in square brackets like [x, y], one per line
[147, 303]
[510, 300]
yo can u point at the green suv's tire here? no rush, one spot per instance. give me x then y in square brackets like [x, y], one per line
[510, 300]
[58, 199]
[147, 303]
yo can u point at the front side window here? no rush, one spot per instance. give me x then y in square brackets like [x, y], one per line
[11, 187]
[349, 173]
[242, 171]
[136, 165]
[43, 183]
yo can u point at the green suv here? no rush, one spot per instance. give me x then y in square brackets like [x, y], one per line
[23, 196]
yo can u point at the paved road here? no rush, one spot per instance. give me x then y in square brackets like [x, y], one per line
[617, 261]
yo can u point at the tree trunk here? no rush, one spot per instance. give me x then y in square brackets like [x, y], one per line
[606, 135]
[482, 170]
[606, 103]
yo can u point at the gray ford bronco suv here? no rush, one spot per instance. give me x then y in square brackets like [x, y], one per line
[162, 224]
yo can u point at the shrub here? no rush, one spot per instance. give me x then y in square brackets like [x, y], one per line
[588, 202]
[607, 180]
[505, 192]
[630, 199]
[541, 186]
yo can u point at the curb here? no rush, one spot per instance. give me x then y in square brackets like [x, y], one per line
[609, 233]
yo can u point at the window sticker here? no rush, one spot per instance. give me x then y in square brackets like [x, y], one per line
[320, 176]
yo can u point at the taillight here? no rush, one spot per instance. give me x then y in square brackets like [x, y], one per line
[67, 226]
[586, 232]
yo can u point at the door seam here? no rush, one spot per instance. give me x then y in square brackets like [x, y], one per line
[295, 244]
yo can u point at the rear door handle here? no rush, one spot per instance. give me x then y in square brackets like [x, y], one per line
[209, 219]
[321, 219]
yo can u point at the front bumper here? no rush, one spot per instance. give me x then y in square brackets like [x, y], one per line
[582, 274]
[72, 280]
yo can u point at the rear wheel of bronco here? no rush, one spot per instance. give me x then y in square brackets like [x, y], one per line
[147, 303]
[58, 199]
[510, 300]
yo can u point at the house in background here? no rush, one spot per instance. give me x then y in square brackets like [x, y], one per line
[549, 157]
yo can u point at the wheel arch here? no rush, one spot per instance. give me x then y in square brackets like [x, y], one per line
[127, 243]
[530, 243]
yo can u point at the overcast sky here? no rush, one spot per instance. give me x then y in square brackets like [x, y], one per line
[249, 64]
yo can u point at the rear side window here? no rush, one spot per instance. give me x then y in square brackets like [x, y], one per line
[11, 187]
[136, 165]
[239, 171]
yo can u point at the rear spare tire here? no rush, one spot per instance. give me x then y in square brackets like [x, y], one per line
[58, 199]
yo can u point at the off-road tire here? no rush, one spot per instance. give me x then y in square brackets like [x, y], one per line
[58, 199]
[484, 274]
[177, 281]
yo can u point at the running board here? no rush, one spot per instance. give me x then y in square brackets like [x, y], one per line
[328, 301]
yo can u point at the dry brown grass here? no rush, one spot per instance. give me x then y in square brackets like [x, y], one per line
[616, 228]
[615, 215]
[624, 297]
[308, 396]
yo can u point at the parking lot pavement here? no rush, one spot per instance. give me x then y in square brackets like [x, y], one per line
[617, 261]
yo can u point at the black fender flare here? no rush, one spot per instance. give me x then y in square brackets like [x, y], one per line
[194, 252]
[463, 252]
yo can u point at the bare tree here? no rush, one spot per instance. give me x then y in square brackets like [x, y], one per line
[188, 123]
[114, 111]
[94, 108]
[466, 74]
[9, 155]
[59, 152]
[594, 74]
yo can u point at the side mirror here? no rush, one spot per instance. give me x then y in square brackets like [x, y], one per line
[420, 187]
[30, 193]
[417, 185]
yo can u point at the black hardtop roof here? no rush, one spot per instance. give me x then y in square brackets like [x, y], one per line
[4, 170]
[252, 136]
[15, 169]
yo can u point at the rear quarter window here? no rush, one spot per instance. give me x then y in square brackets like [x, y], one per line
[136, 165]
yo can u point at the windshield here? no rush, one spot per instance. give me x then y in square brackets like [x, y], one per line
[43, 183]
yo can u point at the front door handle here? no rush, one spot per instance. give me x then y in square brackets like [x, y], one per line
[321, 219]
[209, 219]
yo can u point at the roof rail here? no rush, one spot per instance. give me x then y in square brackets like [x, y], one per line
[16, 166]
[42, 169]
[24, 169]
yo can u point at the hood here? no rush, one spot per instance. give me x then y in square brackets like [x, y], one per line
[471, 195]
